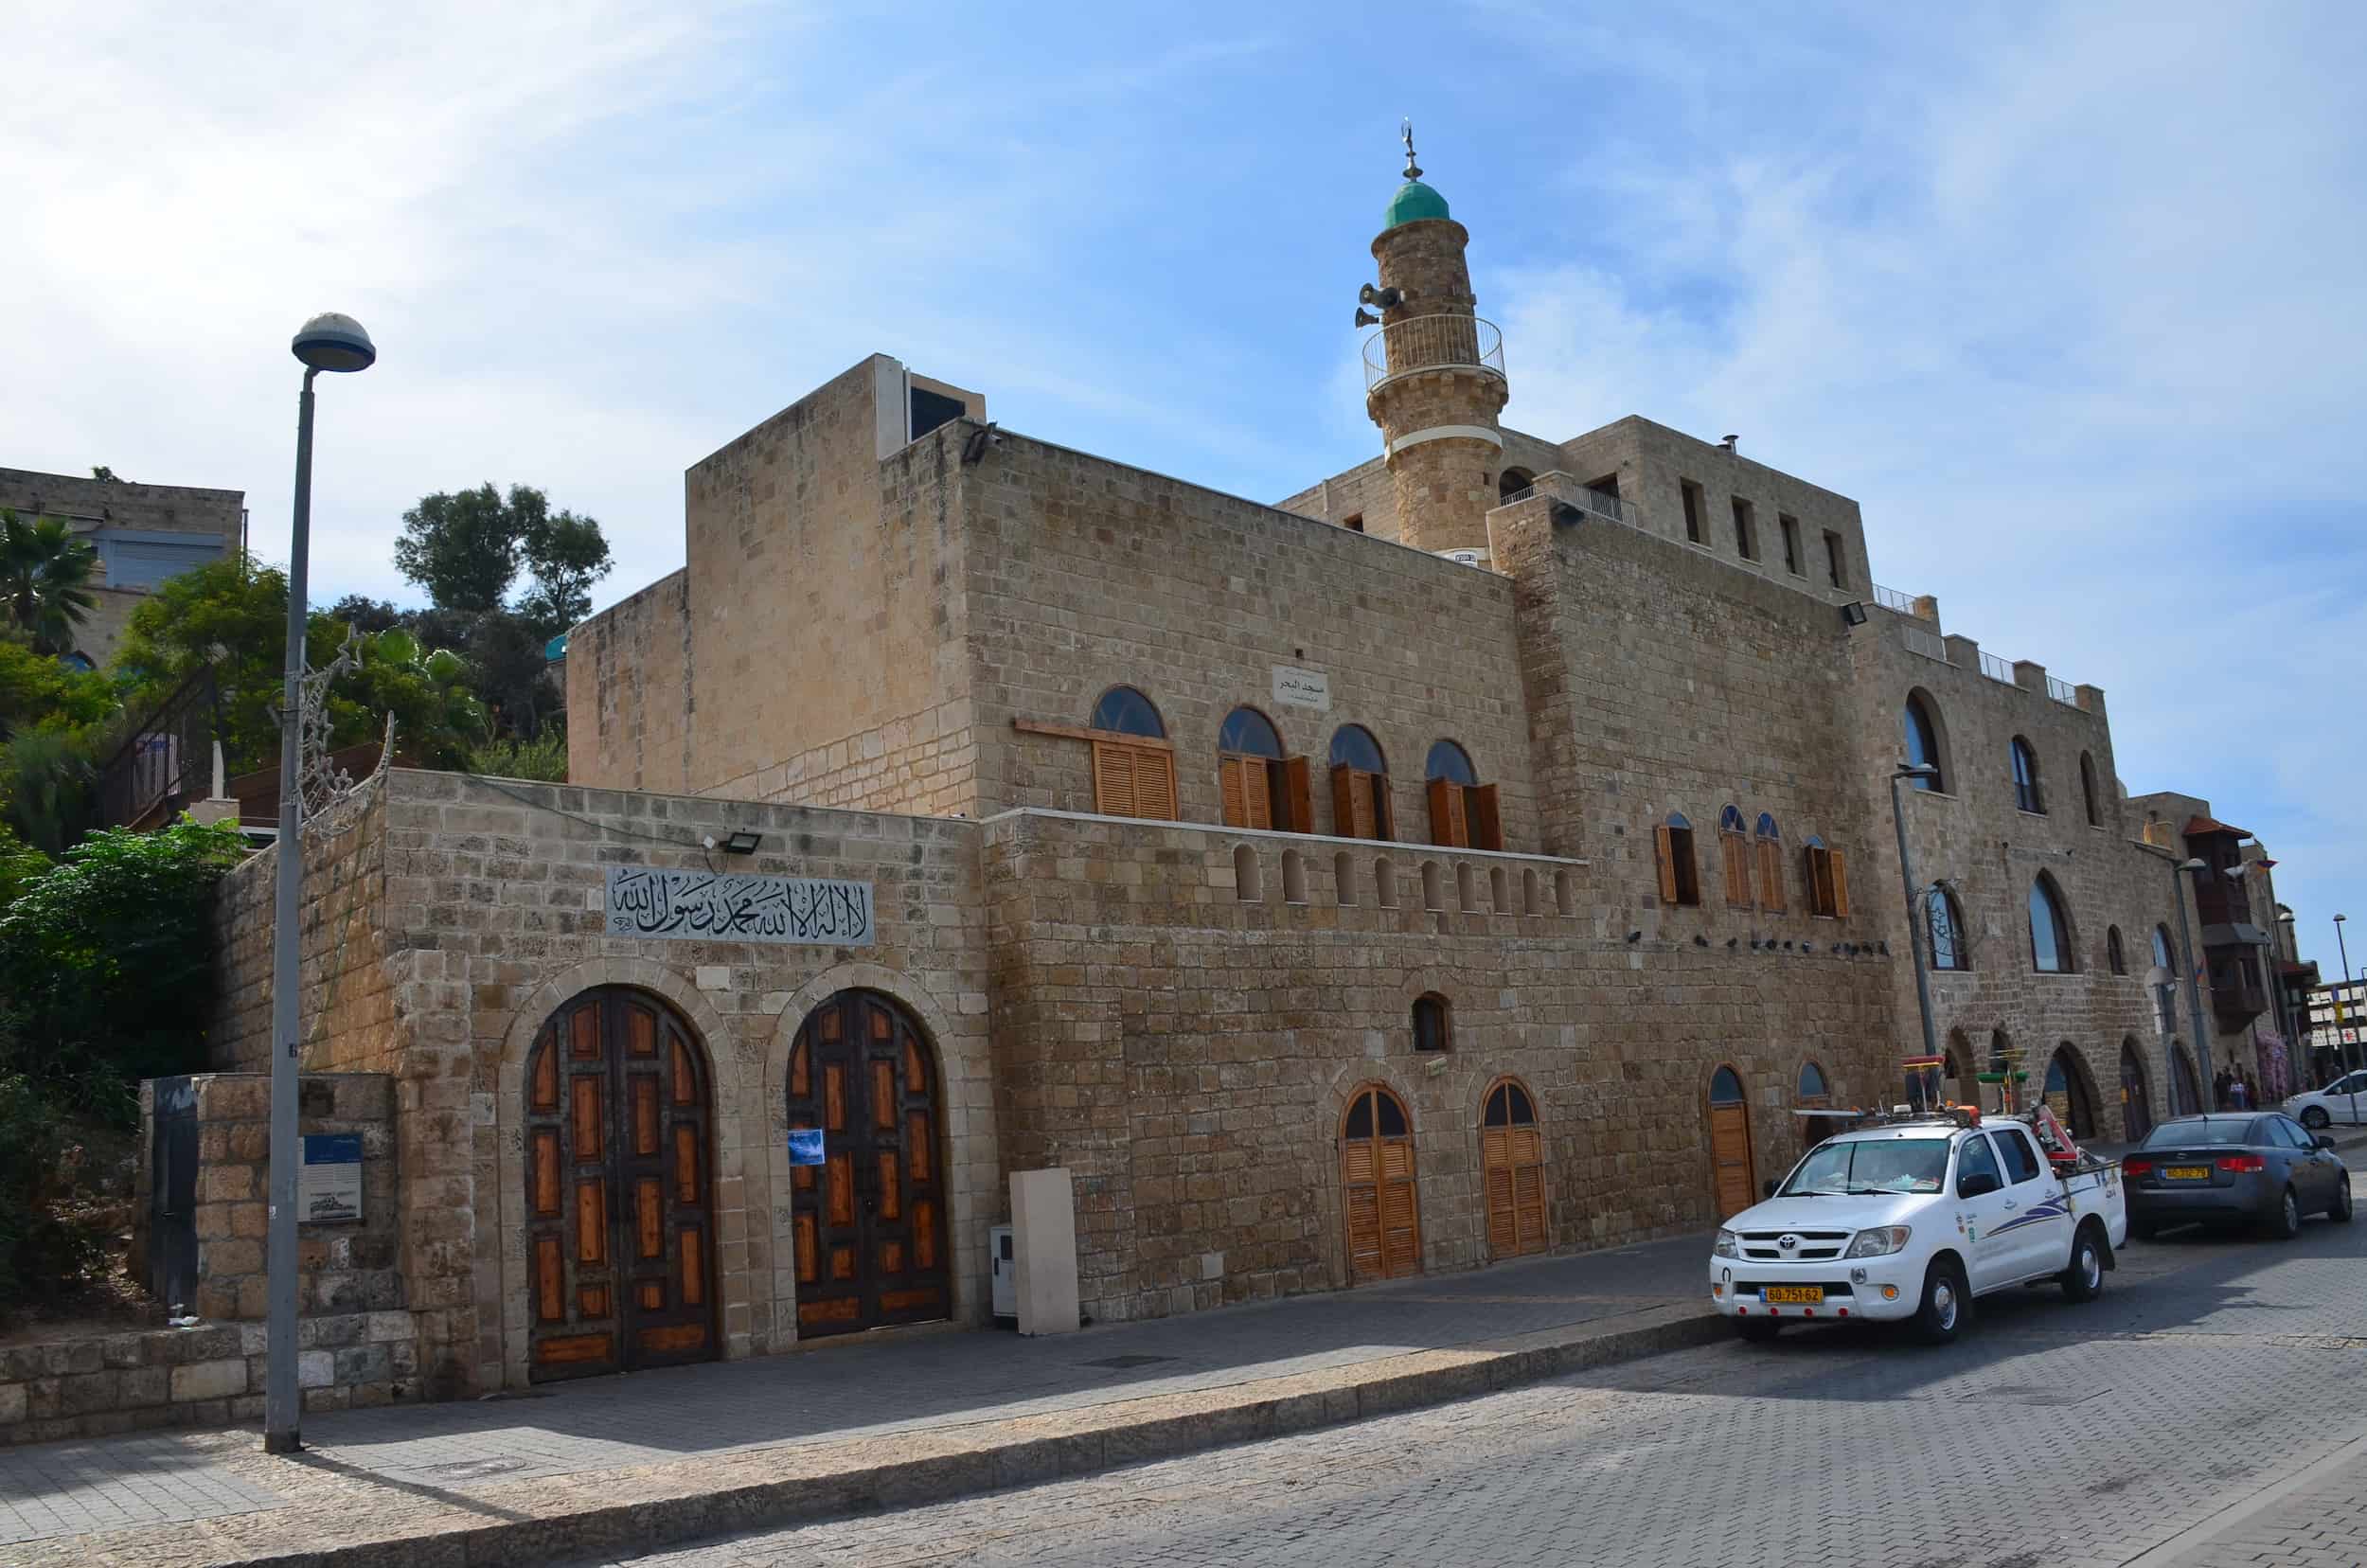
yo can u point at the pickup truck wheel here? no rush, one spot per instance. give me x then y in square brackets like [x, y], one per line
[1757, 1330]
[2285, 1223]
[2083, 1279]
[1945, 1302]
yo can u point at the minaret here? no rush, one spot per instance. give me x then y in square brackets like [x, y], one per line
[1433, 373]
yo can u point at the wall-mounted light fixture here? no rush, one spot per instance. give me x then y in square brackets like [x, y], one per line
[742, 842]
[1853, 614]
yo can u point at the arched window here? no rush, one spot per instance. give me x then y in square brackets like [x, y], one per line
[1770, 845]
[1126, 711]
[1812, 1089]
[1259, 786]
[1672, 842]
[77, 660]
[2136, 1095]
[1433, 1025]
[2050, 929]
[2088, 790]
[2161, 949]
[1733, 857]
[1512, 1166]
[1134, 769]
[1511, 483]
[1828, 880]
[1946, 928]
[2114, 955]
[1360, 786]
[1923, 743]
[2067, 1094]
[2026, 761]
[1461, 810]
[1381, 1209]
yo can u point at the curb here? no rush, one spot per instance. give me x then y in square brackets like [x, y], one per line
[1484, 1367]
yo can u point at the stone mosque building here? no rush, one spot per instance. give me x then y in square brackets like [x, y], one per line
[1488, 851]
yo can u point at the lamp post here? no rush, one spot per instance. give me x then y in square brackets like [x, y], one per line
[1906, 884]
[2194, 992]
[2342, 1001]
[333, 343]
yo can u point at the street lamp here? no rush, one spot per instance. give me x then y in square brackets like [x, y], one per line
[1906, 882]
[2342, 1005]
[2194, 993]
[337, 344]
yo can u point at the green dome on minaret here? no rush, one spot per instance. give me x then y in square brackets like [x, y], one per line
[1413, 200]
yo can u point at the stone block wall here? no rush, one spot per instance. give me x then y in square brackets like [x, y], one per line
[1085, 574]
[357, 1343]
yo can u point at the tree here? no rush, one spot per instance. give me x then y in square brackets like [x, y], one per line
[466, 549]
[45, 573]
[365, 614]
[38, 690]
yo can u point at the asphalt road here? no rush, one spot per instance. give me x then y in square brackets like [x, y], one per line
[2211, 1408]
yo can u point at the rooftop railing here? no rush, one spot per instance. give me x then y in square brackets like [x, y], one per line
[1891, 598]
[1925, 643]
[1601, 504]
[1996, 668]
[2062, 691]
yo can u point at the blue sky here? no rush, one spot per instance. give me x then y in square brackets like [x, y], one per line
[2069, 298]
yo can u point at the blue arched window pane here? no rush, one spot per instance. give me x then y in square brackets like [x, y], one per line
[1128, 712]
[1725, 1089]
[2161, 948]
[1812, 1085]
[1248, 732]
[2026, 776]
[1354, 745]
[1923, 744]
[2050, 939]
[1947, 942]
[1730, 820]
[1767, 826]
[1450, 762]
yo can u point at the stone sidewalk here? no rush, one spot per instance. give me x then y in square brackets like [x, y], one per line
[614, 1465]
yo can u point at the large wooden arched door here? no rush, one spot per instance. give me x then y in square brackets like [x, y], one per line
[867, 1225]
[1512, 1163]
[2136, 1099]
[1376, 1191]
[619, 1169]
[2068, 1095]
[1730, 1144]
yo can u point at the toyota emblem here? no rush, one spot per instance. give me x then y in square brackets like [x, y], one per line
[1789, 1243]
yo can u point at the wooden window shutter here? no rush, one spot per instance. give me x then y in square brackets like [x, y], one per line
[1503, 1225]
[1819, 880]
[1352, 813]
[1232, 790]
[1666, 851]
[1448, 823]
[1114, 779]
[1487, 824]
[1299, 791]
[1840, 863]
[1384, 814]
[1733, 851]
[1247, 796]
[1771, 876]
[1528, 1194]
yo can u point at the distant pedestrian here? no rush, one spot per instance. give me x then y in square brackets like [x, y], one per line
[2240, 1092]
[2221, 1091]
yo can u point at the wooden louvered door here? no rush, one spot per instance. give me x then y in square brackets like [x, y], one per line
[1730, 1143]
[1379, 1206]
[620, 1224]
[867, 1225]
[1512, 1165]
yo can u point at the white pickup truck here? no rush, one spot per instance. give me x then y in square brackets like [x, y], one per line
[1911, 1220]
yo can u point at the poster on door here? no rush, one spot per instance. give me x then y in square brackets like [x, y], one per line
[804, 1145]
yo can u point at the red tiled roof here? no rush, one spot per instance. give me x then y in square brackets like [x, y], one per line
[2210, 824]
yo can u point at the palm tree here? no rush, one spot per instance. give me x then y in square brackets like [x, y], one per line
[46, 575]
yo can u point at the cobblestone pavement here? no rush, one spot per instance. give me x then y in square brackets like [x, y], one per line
[830, 1395]
[2167, 1422]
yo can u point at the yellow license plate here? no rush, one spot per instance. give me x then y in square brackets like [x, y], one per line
[2187, 1174]
[1807, 1295]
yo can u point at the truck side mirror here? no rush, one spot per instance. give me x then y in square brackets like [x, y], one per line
[1976, 1184]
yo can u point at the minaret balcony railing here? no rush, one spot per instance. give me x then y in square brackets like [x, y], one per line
[1434, 342]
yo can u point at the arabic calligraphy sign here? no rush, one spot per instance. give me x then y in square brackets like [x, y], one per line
[719, 907]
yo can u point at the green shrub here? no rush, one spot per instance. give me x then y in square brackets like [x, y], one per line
[43, 1252]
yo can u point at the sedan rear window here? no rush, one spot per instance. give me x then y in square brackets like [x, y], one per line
[2201, 1132]
[1872, 1164]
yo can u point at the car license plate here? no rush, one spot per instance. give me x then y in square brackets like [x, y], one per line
[1808, 1295]
[2187, 1174]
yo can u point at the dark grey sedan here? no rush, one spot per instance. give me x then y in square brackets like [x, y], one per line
[2242, 1167]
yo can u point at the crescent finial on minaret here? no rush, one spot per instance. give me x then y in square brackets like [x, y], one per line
[1413, 170]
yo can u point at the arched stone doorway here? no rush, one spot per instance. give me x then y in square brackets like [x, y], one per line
[2069, 1095]
[1730, 1144]
[1379, 1200]
[2187, 1088]
[867, 1225]
[619, 1167]
[2136, 1095]
[1512, 1162]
